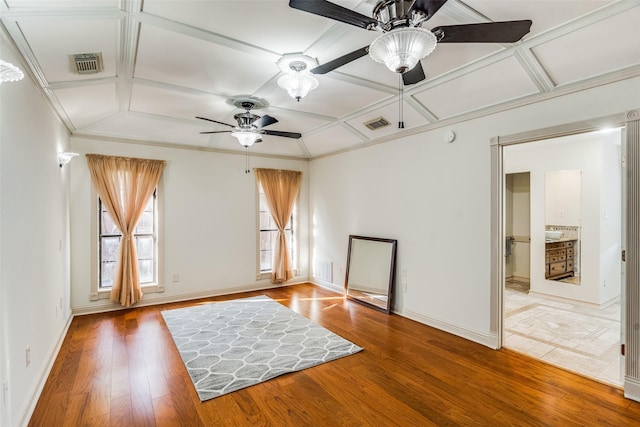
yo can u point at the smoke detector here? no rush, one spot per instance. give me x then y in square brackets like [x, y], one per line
[86, 63]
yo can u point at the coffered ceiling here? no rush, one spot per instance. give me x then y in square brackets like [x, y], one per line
[166, 62]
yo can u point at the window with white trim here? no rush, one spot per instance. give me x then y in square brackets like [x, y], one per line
[146, 238]
[268, 233]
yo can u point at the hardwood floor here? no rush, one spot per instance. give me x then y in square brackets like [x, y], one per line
[123, 369]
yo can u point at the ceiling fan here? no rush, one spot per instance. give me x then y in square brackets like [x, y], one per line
[250, 127]
[403, 42]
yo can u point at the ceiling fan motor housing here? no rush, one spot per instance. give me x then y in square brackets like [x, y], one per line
[245, 119]
[394, 14]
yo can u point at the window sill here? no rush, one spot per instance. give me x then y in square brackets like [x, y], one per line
[150, 288]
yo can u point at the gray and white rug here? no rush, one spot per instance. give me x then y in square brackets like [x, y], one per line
[234, 344]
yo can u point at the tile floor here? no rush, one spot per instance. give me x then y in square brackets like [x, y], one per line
[578, 338]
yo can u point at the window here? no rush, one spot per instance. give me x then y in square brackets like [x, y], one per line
[145, 236]
[269, 234]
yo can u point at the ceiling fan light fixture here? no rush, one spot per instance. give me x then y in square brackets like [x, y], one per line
[246, 138]
[297, 80]
[402, 48]
[298, 84]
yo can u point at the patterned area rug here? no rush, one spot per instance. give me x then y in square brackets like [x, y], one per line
[231, 345]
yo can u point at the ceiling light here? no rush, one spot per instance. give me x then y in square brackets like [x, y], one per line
[64, 158]
[402, 48]
[298, 84]
[297, 80]
[9, 72]
[246, 138]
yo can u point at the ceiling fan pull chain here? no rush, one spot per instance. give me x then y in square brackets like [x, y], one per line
[401, 102]
[246, 160]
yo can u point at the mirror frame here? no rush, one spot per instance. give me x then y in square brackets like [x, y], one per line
[392, 273]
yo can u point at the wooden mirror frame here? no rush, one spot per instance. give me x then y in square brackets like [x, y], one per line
[365, 299]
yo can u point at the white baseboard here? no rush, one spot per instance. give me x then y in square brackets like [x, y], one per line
[327, 285]
[30, 405]
[632, 389]
[557, 298]
[165, 299]
[490, 340]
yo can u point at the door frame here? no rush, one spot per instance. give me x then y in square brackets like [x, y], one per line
[630, 121]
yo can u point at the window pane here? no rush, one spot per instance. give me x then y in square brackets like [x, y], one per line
[110, 247]
[107, 272]
[265, 220]
[144, 247]
[145, 270]
[265, 241]
[265, 260]
[145, 225]
[263, 201]
[108, 226]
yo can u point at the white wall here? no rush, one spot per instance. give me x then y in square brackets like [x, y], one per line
[435, 197]
[34, 248]
[208, 223]
[584, 153]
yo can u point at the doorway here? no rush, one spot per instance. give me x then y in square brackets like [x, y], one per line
[517, 231]
[572, 317]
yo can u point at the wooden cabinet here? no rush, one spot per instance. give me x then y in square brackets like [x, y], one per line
[559, 259]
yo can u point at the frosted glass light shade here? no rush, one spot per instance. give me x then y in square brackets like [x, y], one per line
[298, 84]
[246, 138]
[402, 48]
[64, 158]
[9, 72]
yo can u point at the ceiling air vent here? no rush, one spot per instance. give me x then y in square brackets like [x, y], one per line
[87, 63]
[378, 123]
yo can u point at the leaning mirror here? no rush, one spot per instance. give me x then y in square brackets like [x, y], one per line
[371, 271]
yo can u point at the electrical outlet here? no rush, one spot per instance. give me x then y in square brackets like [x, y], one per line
[404, 287]
[28, 356]
[404, 271]
[175, 278]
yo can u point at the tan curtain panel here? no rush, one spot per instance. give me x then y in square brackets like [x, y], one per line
[281, 190]
[124, 186]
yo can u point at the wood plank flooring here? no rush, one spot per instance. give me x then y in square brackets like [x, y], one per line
[123, 369]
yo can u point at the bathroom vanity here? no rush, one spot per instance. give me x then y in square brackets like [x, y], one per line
[559, 258]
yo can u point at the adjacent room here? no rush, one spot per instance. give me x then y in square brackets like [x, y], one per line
[269, 143]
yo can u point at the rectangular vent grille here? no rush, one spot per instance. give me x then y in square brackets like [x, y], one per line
[378, 123]
[324, 271]
[87, 63]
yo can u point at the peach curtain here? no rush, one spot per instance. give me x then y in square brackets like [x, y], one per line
[124, 186]
[281, 190]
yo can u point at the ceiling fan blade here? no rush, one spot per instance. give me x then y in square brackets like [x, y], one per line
[217, 131]
[489, 32]
[264, 121]
[333, 11]
[430, 7]
[294, 135]
[215, 121]
[339, 62]
[414, 75]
